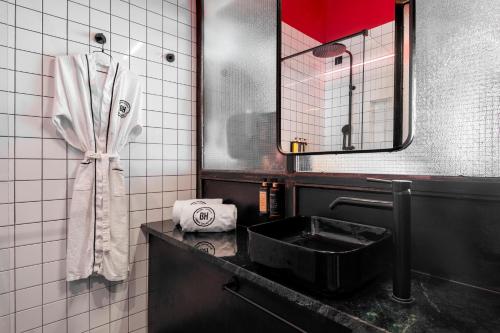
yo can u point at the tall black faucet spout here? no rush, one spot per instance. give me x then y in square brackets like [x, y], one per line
[401, 198]
[401, 207]
[361, 202]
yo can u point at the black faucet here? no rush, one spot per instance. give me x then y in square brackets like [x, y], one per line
[401, 208]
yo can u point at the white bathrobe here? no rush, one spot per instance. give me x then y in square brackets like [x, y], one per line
[97, 118]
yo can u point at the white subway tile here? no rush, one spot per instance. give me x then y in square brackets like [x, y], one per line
[56, 327]
[54, 26]
[54, 271]
[78, 323]
[120, 8]
[55, 7]
[99, 20]
[54, 230]
[54, 189]
[119, 326]
[54, 250]
[99, 298]
[54, 291]
[138, 320]
[54, 169]
[30, 233]
[78, 304]
[7, 282]
[28, 19]
[6, 306]
[27, 212]
[54, 311]
[28, 190]
[99, 317]
[100, 5]
[78, 13]
[28, 319]
[28, 298]
[54, 210]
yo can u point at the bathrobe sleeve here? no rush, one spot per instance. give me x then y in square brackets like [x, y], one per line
[62, 118]
[134, 126]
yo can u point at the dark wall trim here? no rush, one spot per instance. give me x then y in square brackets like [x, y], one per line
[199, 94]
[458, 187]
[398, 76]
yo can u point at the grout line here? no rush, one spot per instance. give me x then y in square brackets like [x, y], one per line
[41, 164]
[162, 114]
[88, 279]
[14, 158]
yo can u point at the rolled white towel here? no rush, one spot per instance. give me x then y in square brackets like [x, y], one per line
[179, 204]
[208, 218]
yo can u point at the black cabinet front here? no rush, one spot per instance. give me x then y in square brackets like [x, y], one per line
[188, 294]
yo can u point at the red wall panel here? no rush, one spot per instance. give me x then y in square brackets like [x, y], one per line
[327, 20]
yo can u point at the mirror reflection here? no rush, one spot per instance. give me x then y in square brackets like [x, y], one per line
[344, 76]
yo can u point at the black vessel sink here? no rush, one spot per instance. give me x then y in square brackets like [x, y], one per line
[325, 255]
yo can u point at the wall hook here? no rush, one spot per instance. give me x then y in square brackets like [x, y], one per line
[100, 38]
[170, 57]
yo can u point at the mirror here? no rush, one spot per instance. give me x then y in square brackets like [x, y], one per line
[344, 76]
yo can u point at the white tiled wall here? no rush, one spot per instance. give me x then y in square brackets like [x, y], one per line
[37, 167]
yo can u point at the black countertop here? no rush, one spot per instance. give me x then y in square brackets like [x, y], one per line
[440, 305]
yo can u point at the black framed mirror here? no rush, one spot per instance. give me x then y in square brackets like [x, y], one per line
[344, 76]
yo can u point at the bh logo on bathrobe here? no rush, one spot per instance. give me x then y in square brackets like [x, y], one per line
[97, 114]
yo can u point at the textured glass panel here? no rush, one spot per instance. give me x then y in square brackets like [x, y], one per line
[457, 103]
[240, 86]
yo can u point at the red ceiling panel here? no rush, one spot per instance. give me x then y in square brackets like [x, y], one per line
[327, 20]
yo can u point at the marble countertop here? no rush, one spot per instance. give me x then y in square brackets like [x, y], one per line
[440, 305]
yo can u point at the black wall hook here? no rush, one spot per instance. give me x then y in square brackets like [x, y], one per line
[100, 38]
[170, 57]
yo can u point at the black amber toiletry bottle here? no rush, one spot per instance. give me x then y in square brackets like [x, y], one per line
[264, 198]
[275, 200]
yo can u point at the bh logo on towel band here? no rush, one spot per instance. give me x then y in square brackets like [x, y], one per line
[198, 203]
[204, 216]
[205, 247]
[124, 109]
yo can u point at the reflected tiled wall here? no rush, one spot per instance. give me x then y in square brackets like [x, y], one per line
[315, 91]
[302, 90]
[37, 167]
[373, 98]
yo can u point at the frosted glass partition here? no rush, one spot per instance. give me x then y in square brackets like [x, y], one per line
[239, 70]
[457, 102]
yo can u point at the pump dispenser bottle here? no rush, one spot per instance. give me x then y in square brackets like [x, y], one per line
[275, 205]
[264, 198]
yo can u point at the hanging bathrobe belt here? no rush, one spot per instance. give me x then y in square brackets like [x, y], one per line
[102, 183]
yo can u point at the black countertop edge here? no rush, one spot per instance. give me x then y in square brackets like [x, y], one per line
[440, 305]
[340, 317]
